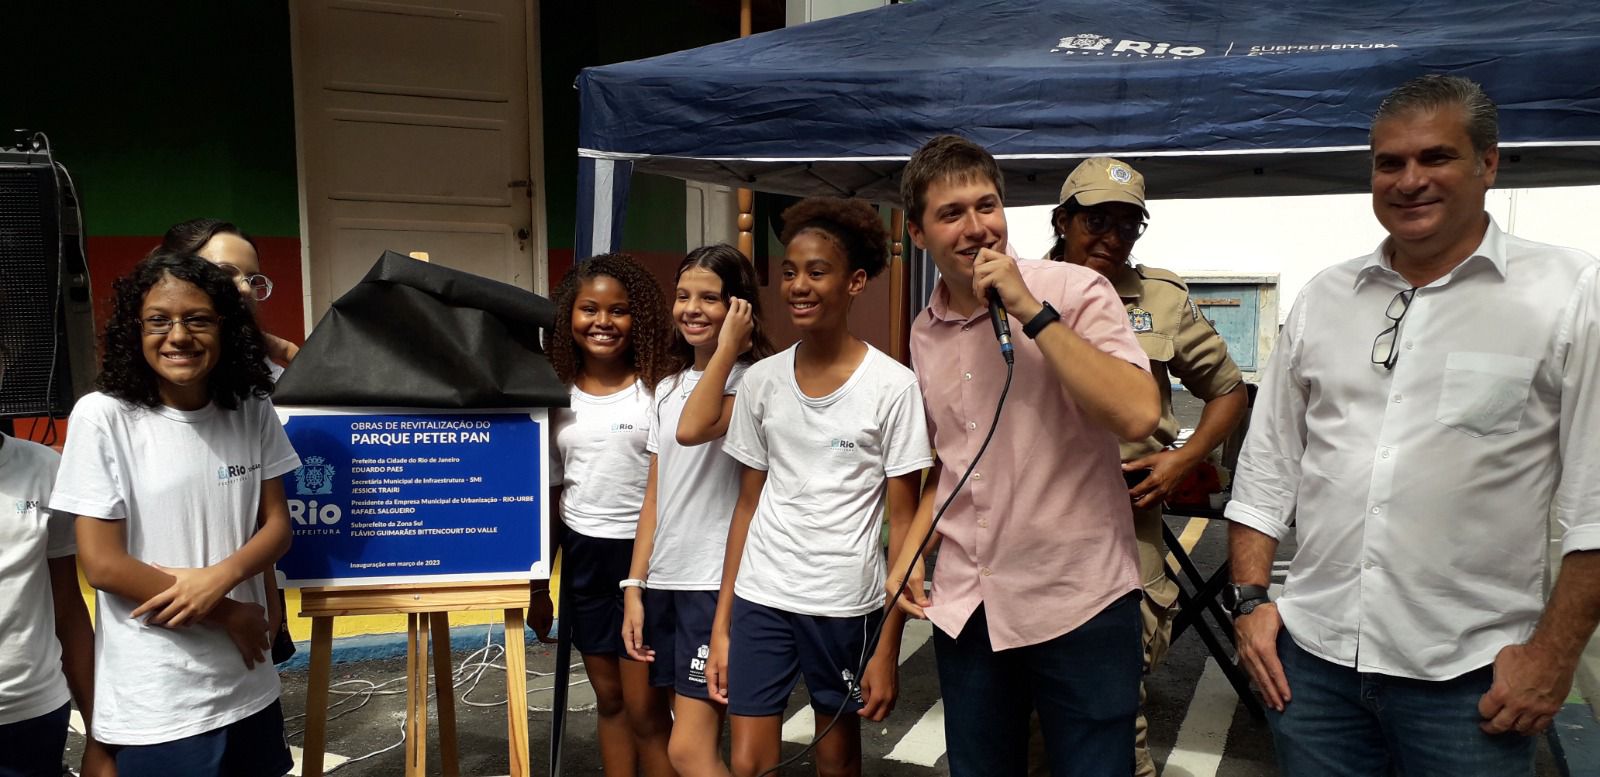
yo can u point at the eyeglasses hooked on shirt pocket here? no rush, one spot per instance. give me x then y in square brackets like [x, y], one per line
[1485, 393]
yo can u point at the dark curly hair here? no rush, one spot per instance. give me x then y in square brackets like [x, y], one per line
[190, 236]
[738, 278]
[649, 341]
[852, 223]
[124, 373]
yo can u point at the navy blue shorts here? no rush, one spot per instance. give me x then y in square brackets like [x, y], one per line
[677, 625]
[33, 747]
[593, 566]
[770, 648]
[253, 747]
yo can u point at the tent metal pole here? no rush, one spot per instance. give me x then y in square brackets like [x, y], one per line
[563, 678]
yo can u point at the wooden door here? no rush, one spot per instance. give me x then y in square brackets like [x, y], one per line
[417, 129]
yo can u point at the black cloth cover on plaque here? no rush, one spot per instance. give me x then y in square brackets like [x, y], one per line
[414, 334]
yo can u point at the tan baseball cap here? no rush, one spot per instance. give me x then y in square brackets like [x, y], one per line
[1102, 179]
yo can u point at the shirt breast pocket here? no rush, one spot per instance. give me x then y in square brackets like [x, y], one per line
[1157, 345]
[1485, 393]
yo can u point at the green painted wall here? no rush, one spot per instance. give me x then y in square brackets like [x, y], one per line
[162, 111]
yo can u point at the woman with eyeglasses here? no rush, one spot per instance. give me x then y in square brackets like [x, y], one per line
[174, 470]
[226, 246]
[1101, 215]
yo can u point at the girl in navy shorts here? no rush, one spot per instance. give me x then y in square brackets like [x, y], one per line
[828, 433]
[175, 470]
[609, 344]
[677, 558]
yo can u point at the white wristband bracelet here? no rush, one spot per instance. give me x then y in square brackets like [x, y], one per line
[632, 582]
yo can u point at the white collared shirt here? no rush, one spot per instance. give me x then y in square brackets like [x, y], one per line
[1420, 496]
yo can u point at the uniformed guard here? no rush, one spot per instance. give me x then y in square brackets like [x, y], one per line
[1102, 213]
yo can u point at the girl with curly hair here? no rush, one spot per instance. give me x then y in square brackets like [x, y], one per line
[610, 344]
[827, 432]
[690, 494]
[174, 469]
[225, 245]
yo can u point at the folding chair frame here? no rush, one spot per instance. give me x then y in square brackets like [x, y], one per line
[1199, 598]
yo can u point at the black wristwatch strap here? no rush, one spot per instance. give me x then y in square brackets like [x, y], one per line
[1240, 599]
[1040, 320]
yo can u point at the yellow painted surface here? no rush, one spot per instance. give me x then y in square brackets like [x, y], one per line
[356, 625]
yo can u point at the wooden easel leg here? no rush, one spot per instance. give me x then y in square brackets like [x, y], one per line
[444, 683]
[517, 695]
[316, 741]
[416, 696]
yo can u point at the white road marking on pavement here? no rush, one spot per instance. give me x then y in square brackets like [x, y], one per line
[802, 725]
[75, 722]
[924, 743]
[1203, 735]
[917, 633]
[330, 761]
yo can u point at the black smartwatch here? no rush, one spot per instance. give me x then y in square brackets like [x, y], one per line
[1243, 599]
[1040, 320]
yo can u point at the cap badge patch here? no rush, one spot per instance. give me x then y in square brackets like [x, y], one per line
[1119, 173]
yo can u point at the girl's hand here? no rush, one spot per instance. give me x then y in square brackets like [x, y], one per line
[633, 626]
[189, 598]
[246, 625]
[278, 349]
[879, 687]
[97, 760]
[738, 328]
[914, 599]
[542, 612]
[717, 669]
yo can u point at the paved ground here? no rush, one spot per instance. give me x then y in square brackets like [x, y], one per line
[1198, 727]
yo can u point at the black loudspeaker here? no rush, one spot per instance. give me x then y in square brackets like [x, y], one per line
[46, 316]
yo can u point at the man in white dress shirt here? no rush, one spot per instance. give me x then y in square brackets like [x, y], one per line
[1428, 409]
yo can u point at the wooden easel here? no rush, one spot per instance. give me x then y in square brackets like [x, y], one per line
[426, 608]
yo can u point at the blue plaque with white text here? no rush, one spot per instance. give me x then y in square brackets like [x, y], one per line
[415, 496]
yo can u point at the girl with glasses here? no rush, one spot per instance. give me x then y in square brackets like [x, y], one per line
[174, 469]
[226, 246]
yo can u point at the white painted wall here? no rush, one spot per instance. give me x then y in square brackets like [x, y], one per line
[802, 11]
[1298, 236]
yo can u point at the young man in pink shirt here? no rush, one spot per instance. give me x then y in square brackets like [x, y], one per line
[1036, 599]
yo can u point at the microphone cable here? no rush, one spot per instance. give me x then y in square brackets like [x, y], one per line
[872, 644]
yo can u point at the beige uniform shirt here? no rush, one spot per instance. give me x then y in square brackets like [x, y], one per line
[1180, 342]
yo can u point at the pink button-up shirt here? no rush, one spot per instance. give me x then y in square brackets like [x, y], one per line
[1042, 534]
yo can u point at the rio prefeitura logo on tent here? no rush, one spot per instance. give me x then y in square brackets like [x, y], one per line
[1088, 44]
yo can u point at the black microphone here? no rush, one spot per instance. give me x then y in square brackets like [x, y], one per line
[1002, 325]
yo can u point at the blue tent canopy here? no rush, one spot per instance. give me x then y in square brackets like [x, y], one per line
[1213, 99]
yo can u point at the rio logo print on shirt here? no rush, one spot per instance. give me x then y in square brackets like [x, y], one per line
[233, 473]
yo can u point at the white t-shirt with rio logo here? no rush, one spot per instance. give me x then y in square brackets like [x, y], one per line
[187, 485]
[814, 546]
